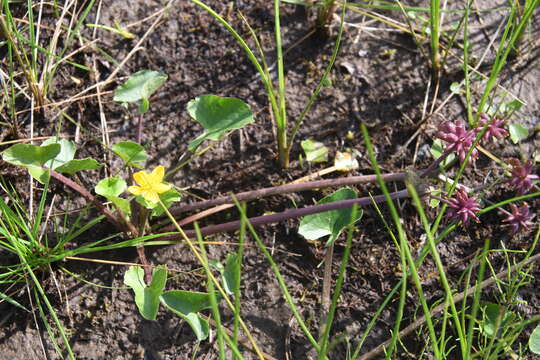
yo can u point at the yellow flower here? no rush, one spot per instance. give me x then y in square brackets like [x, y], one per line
[150, 185]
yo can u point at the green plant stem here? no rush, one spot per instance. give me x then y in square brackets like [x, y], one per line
[41, 292]
[237, 294]
[325, 13]
[321, 83]
[458, 297]
[440, 269]
[266, 81]
[339, 284]
[424, 252]
[404, 257]
[25, 64]
[476, 298]
[279, 278]
[466, 65]
[502, 54]
[404, 245]
[212, 295]
[327, 285]
[434, 24]
[281, 115]
[212, 278]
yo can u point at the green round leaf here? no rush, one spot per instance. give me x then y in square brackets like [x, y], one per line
[534, 340]
[111, 186]
[132, 153]
[67, 152]
[30, 155]
[332, 223]
[218, 115]
[139, 86]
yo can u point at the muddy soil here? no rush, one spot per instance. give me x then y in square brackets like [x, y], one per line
[381, 78]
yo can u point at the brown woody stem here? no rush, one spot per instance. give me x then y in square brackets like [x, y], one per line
[291, 214]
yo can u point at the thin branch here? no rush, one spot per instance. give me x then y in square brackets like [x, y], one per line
[290, 214]
[285, 189]
[120, 225]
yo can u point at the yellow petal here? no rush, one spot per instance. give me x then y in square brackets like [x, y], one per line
[161, 188]
[135, 190]
[157, 174]
[141, 178]
[151, 196]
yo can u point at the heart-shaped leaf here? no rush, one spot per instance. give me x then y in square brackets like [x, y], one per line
[437, 150]
[139, 86]
[146, 297]
[132, 153]
[187, 304]
[332, 223]
[111, 186]
[218, 115]
[30, 155]
[534, 340]
[496, 317]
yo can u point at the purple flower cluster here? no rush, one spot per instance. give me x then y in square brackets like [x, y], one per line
[494, 130]
[519, 219]
[463, 207]
[522, 175]
[458, 138]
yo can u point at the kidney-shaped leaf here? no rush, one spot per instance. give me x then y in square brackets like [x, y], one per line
[187, 304]
[111, 186]
[139, 86]
[217, 115]
[534, 340]
[30, 155]
[146, 297]
[496, 317]
[132, 153]
[332, 223]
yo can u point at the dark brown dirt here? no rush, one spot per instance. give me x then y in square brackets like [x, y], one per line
[380, 79]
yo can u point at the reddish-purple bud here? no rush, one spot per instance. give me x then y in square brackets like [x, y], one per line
[494, 130]
[522, 175]
[462, 207]
[520, 219]
[458, 138]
